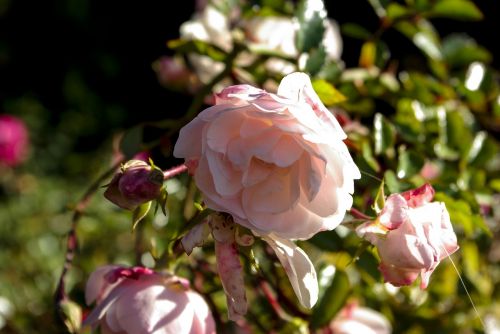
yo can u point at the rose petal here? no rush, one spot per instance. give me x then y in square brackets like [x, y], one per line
[97, 285]
[394, 213]
[188, 145]
[195, 237]
[420, 196]
[231, 274]
[298, 267]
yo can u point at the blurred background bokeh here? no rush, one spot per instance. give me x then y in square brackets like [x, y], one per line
[80, 72]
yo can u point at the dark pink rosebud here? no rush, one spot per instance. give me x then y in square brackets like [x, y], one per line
[136, 183]
[14, 141]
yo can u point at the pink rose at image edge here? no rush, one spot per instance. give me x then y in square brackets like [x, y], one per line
[14, 140]
[276, 162]
[138, 300]
[412, 235]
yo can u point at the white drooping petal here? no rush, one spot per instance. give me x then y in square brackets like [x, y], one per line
[298, 267]
[298, 87]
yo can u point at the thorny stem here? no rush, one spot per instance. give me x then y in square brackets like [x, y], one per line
[72, 241]
[360, 215]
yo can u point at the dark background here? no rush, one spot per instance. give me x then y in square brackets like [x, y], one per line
[87, 63]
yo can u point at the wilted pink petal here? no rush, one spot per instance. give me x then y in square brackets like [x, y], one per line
[229, 266]
[195, 237]
[298, 267]
[231, 276]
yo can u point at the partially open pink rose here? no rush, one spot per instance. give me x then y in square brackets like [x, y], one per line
[276, 162]
[14, 140]
[138, 301]
[353, 319]
[412, 235]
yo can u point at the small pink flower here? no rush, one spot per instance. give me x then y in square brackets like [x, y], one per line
[412, 235]
[353, 319]
[276, 163]
[139, 301]
[136, 183]
[172, 73]
[14, 141]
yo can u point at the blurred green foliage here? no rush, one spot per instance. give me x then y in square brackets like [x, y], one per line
[431, 116]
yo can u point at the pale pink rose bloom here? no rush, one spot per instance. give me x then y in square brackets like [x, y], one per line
[138, 301]
[412, 235]
[276, 162]
[14, 141]
[353, 319]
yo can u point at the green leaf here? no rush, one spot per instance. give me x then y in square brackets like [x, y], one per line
[393, 184]
[131, 143]
[162, 200]
[384, 134]
[198, 47]
[332, 300]
[409, 163]
[327, 93]
[460, 50]
[139, 213]
[396, 11]
[379, 7]
[368, 54]
[316, 60]
[72, 314]
[379, 202]
[463, 10]
[482, 150]
[311, 15]
[355, 31]
[423, 34]
[461, 214]
[367, 154]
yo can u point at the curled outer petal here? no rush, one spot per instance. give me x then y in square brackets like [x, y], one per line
[298, 267]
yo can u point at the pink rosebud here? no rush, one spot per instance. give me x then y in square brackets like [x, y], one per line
[353, 319]
[276, 162]
[136, 183]
[14, 141]
[412, 235]
[138, 300]
[172, 73]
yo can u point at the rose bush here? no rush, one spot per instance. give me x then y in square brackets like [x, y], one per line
[412, 235]
[138, 300]
[276, 162]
